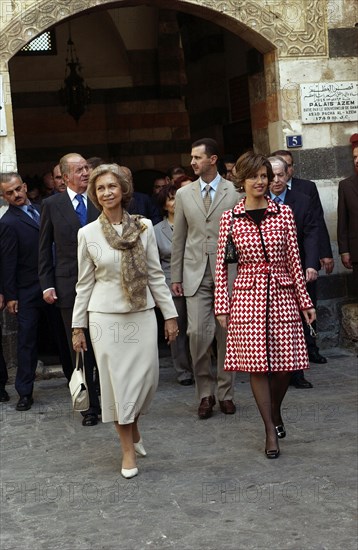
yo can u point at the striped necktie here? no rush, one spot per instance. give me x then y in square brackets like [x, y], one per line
[207, 197]
[33, 213]
[277, 200]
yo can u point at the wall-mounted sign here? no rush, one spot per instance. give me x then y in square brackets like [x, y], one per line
[329, 102]
[293, 141]
[3, 131]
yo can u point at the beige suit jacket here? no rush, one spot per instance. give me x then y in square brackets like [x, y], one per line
[196, 232]
[99, 286]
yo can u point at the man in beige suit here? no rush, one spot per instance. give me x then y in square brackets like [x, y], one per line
[198, 209]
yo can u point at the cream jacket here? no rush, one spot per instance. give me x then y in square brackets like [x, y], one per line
[99, 286]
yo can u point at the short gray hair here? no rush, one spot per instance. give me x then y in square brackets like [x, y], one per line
[5, 177]
[123, 180]
[281, 160]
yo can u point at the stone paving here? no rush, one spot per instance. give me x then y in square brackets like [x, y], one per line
[204, 484]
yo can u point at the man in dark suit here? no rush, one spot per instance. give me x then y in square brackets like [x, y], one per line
[4, 396]
[347, 227]
[140, 203]
[309, 188]
[19, 238]
[307, 234]
[145, 206]
[62, 216]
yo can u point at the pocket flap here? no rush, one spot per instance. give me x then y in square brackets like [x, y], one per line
[244, 283]
[284, 280]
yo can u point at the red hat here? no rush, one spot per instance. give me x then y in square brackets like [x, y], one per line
[354, 140]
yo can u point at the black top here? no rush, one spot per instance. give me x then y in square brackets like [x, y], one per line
[257, 215]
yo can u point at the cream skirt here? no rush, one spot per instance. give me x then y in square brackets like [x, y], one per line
[126, 350]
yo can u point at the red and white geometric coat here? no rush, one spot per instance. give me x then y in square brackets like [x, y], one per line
[265, 330]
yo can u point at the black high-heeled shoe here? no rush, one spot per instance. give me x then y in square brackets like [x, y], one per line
[272, 453]
[280, 431]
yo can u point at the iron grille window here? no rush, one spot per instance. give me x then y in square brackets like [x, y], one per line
[44, 44]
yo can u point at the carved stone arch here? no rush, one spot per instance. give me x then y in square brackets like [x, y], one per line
[262, 23]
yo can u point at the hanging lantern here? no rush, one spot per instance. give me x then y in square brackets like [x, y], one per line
[75, 94]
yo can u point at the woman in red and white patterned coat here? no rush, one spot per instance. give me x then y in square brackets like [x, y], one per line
[265, 335]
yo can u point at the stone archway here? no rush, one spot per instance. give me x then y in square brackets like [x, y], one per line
[265, 24]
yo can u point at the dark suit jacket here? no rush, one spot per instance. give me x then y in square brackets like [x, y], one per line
[309, 188]
[59, 226]
[307, 228]
[347, 228]
[146, 206]
[19, 241]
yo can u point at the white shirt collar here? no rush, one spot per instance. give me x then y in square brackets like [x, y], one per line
[214, 184]
[72, 194]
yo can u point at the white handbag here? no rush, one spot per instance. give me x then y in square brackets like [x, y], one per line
[78, 386]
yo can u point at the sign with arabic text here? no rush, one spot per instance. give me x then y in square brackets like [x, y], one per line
[329, 102]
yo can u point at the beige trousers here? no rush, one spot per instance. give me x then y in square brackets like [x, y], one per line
[202, 328]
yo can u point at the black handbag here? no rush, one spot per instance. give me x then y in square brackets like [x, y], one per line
[231, 255]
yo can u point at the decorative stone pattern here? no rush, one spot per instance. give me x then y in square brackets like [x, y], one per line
[299, 30]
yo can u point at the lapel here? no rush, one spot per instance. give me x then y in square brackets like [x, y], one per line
[197, 197]
[166, 230]
[289, 198]
[66, 210]
[272, 209]
[25, 218]
[353, 181]
[221, 192]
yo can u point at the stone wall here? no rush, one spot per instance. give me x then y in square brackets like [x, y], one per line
[137, 114]
[142, 117]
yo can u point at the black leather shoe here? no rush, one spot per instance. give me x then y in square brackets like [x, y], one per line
[24, 403]
[90, 420]
[4, 396]
[275, 453]
[187, 382]
[300, 383]
[280, 430]
[316, 357]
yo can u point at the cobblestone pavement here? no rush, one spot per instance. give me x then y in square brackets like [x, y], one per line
[204, 484]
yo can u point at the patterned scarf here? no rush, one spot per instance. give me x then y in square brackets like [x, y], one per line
[134, 273]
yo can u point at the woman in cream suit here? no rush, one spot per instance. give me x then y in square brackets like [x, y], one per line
[120, 280]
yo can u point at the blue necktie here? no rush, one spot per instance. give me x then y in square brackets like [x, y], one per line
[33, 213]
[277, 199]
[81, 210]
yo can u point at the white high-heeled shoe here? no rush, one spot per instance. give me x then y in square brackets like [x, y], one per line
[128, 474]
[139, 449]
